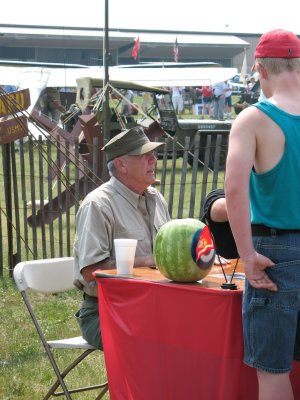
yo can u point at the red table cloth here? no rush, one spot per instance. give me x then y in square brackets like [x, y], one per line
[168, 341]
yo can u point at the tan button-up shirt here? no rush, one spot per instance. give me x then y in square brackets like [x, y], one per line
[113, 211]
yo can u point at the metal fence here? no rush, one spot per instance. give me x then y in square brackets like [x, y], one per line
[41, 187]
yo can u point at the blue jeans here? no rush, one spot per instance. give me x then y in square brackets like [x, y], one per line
[270, 319]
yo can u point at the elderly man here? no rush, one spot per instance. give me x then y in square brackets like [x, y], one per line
[124, 207]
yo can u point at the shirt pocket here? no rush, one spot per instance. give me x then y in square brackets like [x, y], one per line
[158, 225]
[144, 244]
[137, 234]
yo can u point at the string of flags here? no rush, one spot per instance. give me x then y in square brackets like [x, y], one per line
[137, 45]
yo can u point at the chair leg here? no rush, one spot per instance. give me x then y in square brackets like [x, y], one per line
[103, 386]
[103, 391]
[66, 371]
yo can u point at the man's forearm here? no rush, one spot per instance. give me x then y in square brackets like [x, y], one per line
[239, 218]
[109, 263]
[87, 272]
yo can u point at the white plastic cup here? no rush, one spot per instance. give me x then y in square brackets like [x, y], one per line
[125, 253]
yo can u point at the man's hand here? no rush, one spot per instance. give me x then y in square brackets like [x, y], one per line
[109, 263]
[254, 269]
[219, 260]
[144, 261]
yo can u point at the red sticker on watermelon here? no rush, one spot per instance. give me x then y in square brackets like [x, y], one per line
[205, 249]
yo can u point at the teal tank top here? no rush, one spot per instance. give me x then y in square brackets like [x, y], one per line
[275, 194]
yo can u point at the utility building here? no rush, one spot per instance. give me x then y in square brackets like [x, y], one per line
[84, 46]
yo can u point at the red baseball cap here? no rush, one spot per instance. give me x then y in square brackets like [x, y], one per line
[278, 44]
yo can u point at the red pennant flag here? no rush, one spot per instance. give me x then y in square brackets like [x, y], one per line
[175, 51]
[136, 48]
[205, 249]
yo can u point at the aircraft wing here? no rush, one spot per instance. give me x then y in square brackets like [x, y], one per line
[197, 76]
[53, 77]
[9, 75]
[160, 77]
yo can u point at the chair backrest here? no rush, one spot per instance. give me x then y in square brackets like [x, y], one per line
[51, 275]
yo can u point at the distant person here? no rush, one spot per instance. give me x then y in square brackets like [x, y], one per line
[188, 99]
[146, 101]
[262, 191]
[219, 101]
[127, 105]
[197, 100]
[251, 84]
[207, 99]
[177, 99]
[50, 103]
[228, 100]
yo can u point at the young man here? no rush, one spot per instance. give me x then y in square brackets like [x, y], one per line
[262, 190]
[124, 207]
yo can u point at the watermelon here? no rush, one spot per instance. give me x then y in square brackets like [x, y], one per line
[181, 252]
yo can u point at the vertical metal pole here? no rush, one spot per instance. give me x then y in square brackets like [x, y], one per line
[6, 150]
[106, 74]
[106, 127]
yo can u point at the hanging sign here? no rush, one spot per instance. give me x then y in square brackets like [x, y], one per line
[13, 129]
[13, 125]
[13, 102]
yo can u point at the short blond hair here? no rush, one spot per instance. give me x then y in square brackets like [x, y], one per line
[277, 65]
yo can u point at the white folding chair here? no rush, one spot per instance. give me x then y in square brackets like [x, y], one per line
[50, 276]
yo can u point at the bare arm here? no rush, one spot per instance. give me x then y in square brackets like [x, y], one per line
[218, 210]
[241, 158]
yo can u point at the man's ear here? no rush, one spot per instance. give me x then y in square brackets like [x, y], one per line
[261, 70]
[120, 164]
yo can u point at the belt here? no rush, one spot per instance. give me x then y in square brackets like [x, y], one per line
[262, 230]
[90, 298]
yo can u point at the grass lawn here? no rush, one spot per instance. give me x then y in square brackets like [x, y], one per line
[25, 371]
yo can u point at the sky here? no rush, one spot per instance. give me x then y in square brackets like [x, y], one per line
[254, 16]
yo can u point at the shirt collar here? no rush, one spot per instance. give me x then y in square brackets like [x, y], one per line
[129, 195]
